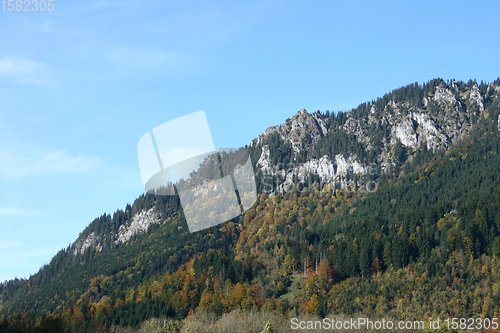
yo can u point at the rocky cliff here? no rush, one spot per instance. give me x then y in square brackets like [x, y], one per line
[434, 115]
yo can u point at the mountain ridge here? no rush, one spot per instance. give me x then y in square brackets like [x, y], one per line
[412, 123]
[409, 137]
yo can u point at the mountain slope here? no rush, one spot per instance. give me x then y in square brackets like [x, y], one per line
[383, 133]
[434, 206]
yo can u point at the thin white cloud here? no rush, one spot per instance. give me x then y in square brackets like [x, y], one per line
[19, 70]
[4, 245]
[113, 4]
[47, 26]
[29, 161]
[131, 59]
[15, 211]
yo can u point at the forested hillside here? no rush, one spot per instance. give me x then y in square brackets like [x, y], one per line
[423, 242]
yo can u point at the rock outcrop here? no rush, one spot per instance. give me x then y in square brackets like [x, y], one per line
[139, 223]
[92, 240]
[303, 130]
[444, 115]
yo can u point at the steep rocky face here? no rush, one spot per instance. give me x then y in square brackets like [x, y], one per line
[81, 245]
[329, 171]
[264, 161]
[139, 223]
[442, 115]
[439, 117]
[418, 128]
[303, 130]
[475, 98]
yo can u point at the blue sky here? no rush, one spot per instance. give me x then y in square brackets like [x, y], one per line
[81, 84]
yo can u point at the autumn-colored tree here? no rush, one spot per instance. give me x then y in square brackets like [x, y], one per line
[326, 275]
[268, 328]
[269, 305]
[312, 305]
[237, 296]
[376, 265]
[206, 300]
[216, 305]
